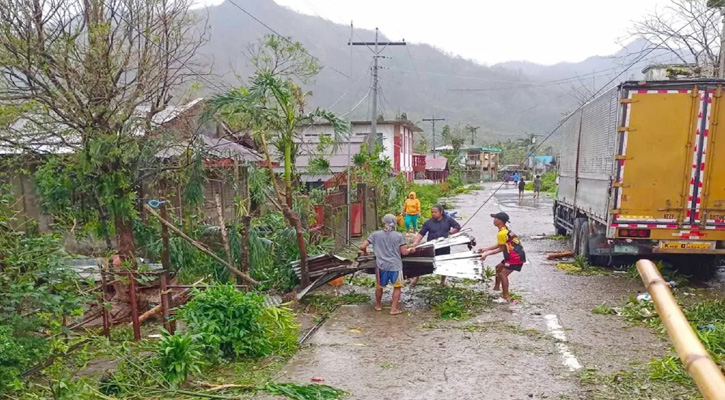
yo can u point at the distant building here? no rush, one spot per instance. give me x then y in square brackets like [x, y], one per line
[666, 72]
[436, 168]
[396, 136]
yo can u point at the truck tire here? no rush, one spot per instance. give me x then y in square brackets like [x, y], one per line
[583, 249]
[575, 234]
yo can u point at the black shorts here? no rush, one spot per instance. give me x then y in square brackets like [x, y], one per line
[515, 267]
[521, 189]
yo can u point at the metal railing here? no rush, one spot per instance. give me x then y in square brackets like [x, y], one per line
[706, 374]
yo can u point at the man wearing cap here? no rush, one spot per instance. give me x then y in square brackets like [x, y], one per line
[513, 253]
[389, 245]
[439, 225]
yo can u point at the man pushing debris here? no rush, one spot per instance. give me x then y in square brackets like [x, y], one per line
[389, 245]
[513, 254]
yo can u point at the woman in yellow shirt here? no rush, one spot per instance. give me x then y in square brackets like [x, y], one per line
[411, 211]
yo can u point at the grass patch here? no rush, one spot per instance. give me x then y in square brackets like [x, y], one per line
[634, 384]
[707, 319]
[324, 303]
[455, 302]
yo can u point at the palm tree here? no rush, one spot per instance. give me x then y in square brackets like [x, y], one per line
[273, 108]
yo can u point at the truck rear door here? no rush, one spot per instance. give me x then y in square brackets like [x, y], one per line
[713, 167]
[669, 180]
[655, 155]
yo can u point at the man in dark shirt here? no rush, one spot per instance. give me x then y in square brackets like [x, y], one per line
[438, 226]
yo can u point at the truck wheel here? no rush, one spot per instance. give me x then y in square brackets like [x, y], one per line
[583, 249]
[575, 234]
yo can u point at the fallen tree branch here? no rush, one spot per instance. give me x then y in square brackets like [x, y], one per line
[178, 298]
[200, 246]
[561, 254]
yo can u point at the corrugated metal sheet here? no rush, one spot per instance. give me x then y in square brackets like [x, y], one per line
[596, 154]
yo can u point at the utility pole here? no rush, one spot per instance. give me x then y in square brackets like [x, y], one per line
[433, 121]
[376, 54]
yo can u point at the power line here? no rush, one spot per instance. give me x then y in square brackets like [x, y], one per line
[563, 121]
[285, 38]
[350, 88]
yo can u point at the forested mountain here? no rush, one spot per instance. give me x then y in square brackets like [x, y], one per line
[506, 100]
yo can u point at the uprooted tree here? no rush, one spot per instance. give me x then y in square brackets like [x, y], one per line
[88, 78]
[272, 108]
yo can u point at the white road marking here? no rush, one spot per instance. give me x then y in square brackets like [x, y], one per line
[555, 329]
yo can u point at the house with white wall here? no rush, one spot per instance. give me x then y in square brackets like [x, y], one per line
[396, 136]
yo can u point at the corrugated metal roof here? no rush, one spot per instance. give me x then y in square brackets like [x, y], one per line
[436, 164]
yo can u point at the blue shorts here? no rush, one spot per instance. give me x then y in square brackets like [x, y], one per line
[386, 277]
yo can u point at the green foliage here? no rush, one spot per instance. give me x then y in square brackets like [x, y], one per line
[277, 55]
[281, 329]
[455, 302]
[324, 302]
[548, 182]
[304, 392]
[603, 309]
[641, 313]
[235, 324]
[37, 291]
[17, 353]
[178, 356]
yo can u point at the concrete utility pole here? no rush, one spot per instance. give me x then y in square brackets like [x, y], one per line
[433, 121]
[376, 54]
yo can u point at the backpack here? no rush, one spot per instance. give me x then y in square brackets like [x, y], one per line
[514, 253]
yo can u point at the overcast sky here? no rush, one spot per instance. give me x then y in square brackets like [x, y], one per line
[489, 31]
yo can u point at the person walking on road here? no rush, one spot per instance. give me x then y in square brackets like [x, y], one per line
[439, 225]
[516, 178]
[522, 186]
[514, 256]
[411, 211]
[389, 246]
[537, 187]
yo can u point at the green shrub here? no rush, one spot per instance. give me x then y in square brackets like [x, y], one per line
[179, 356]
[17, 353]
[281, 329]
[236, 324]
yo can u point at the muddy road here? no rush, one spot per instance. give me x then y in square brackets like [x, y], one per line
[537, 349]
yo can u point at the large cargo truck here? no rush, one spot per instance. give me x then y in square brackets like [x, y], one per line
[642, 173]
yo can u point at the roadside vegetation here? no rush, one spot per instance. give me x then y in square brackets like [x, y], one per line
[665, 376]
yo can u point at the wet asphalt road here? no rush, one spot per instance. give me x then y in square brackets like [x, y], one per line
[535, 349]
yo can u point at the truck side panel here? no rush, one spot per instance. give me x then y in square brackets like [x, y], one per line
[596, 154]
[569, 132]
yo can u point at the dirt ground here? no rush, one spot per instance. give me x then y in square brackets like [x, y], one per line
[536, 349]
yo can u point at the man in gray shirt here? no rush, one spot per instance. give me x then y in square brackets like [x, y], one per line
[389, 245]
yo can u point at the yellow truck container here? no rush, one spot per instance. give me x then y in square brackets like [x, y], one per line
[642, 172]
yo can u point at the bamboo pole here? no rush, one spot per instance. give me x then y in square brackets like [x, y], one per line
[697, 361]
[200, 246]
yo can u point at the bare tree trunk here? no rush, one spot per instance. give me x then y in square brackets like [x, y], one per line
[284, 205]
[244, 245]
[126, 246]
